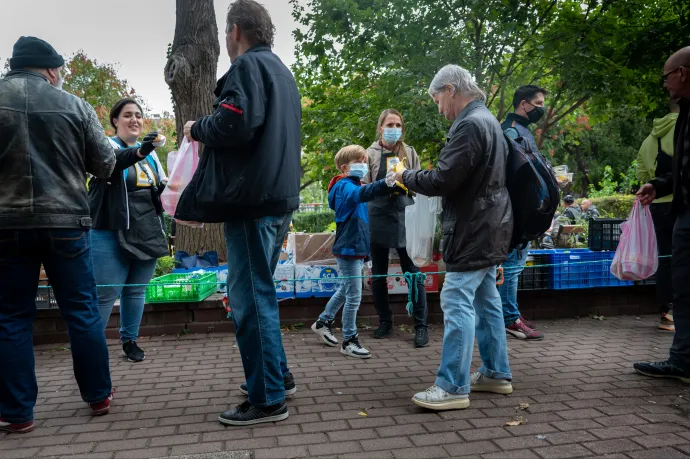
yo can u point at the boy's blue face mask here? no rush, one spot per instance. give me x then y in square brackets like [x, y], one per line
[359, 170]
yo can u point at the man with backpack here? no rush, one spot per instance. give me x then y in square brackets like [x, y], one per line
[528, 102]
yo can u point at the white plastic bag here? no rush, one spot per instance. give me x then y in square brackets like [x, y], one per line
[637, 256]
[186, 161]
[420, 228]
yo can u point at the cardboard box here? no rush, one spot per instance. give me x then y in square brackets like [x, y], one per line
[311, 248]
[398, 285]
[318, 280]
[220, 270]
[285, 273]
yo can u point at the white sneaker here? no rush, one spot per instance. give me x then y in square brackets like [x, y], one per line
[481, 383]
[325, 331]
[435, 398]
[352, 348]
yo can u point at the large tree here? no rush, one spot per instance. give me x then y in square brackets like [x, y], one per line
[191, 73]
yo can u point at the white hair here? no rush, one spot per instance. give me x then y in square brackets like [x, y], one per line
[459, 78]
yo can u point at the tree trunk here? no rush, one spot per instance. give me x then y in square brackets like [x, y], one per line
[191, 75]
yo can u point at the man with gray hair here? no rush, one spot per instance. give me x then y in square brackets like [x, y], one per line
[477, 229]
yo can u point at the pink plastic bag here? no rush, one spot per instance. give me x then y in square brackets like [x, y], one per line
[181, 173]
[637, 257]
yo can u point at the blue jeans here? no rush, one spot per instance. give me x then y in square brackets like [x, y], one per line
[469, 300]
[66, 257]
[349, 293]
[112, 266]
[253, 251]
[512, 268]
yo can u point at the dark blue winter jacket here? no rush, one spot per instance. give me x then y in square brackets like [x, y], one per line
[348, 198]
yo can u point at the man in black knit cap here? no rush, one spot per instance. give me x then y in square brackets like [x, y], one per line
[49, 140]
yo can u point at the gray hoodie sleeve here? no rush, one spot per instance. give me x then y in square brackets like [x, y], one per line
[99, 154]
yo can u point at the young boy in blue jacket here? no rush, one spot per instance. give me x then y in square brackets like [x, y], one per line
[348, 197]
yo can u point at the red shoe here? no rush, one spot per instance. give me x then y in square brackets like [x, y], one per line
[24, 427]
[528, 323]
[522, 331]
[101, 408]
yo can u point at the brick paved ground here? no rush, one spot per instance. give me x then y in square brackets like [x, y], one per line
[584, 400]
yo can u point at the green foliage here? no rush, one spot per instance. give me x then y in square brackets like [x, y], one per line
[164, 265]
[312, 222]
[616, 206]
[358, 57]
[608, 186]
[98, 84]
[314, 194]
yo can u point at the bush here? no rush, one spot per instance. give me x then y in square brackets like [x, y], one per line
[164, 266]
[616, 206]
[312, 222]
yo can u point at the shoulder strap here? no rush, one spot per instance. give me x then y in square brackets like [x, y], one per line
[512, 133]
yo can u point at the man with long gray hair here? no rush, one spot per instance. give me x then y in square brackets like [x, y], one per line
[477, 228]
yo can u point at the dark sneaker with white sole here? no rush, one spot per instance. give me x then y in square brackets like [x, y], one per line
[247, 414]
[325, 331]
[288, 381]
[352, 348]
[133, 352]
[662, 370]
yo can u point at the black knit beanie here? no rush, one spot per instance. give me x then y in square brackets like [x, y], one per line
[36, 53]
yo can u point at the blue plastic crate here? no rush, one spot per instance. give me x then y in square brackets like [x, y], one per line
[582, 268]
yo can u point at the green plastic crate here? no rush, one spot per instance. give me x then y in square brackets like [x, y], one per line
[164, 289]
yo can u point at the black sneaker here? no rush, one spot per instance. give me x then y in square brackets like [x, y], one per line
[288, 381]
[421, 337]
[247, 414]
[325, 331]
[132, 351]
[662, 370]
[352, 348]
[385, 329]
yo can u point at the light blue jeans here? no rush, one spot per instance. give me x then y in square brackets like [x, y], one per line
[112, 266]
[469, 300]
[512, 268]
[349, 294]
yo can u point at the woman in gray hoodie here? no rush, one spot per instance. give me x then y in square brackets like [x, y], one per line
[387, 222]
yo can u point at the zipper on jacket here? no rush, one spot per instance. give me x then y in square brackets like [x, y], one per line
[124, 187]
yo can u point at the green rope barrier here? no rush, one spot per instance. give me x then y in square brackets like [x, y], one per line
[370, 276]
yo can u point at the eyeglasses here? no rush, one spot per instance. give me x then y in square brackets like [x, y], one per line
[665, 77]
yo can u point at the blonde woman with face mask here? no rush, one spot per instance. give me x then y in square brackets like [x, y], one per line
[387, 222]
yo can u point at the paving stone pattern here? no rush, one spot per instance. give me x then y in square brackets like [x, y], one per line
[584, 401]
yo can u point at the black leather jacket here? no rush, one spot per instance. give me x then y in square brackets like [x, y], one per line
[49, 140]
[471, 177]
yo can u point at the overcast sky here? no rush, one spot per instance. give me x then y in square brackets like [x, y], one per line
[133, 35]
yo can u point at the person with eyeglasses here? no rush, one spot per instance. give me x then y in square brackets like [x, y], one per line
[676, 182]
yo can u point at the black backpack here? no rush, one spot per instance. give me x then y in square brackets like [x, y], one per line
[533, 191]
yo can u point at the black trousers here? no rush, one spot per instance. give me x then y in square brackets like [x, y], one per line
[379, 286]
[680, 351]
[664, 221]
